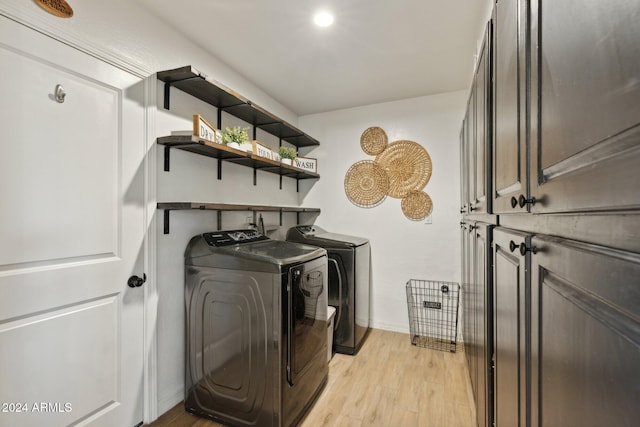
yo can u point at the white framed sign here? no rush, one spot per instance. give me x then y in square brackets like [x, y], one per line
[306, 163]
[202, 129]
[262, 150]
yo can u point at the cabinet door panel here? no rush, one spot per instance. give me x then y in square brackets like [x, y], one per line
[468, 300]
[508, 143]
[483, 321]
[585, 335]
[471, 150]
[585, 126]
[464, 165]
[510, 301]
[481, 197]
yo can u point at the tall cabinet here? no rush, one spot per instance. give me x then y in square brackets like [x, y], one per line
[554, 324]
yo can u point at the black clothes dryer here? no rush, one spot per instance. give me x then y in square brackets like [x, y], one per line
[256, 328]
[349, 282]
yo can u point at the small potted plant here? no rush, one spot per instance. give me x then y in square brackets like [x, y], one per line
[236, 137]
[287, 154]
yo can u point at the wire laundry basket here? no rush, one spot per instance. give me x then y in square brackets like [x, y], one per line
[433, 313]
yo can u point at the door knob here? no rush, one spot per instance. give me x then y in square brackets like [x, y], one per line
[136, 282]
[524, 249]
[512, 246]
[522, 201]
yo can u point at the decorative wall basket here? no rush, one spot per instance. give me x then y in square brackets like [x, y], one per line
[408, 166]
[366, 184]
[373, 140]
[416, 205]
[401, 170]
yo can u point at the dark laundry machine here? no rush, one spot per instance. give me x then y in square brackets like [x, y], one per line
[256, 320]
[349, 282]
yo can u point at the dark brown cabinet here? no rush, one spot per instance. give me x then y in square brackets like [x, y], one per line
[558, 137]
[585, 336]
[585, 105]
[509, 141]
[509, 318]
[477, 308]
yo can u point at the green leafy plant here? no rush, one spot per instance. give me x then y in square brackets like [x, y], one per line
[235, 134]
[287, 153]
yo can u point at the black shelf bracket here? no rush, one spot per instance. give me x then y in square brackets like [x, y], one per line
[297, 185]
[167, 158]
[281, 182]
[219, 169]
[167, 96]
[166, 221]
[219, 220]
[280, 217]
[255, 176]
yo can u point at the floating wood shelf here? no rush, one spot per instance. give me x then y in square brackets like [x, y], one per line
[220, 207]
[199, 85]
[196, 145]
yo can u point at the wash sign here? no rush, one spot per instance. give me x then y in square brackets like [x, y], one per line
[306, 163]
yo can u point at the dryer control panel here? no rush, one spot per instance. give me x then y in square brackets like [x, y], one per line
[233, 237]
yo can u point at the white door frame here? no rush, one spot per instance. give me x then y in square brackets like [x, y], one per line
[35, 21]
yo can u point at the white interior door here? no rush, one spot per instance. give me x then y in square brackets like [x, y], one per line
[71, 234]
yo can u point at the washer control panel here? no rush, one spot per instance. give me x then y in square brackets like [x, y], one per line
[306, 230]
[233, 237]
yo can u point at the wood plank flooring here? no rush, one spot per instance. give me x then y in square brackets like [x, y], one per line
[388, 383]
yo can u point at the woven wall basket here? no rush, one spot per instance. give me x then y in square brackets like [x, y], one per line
[408, 166]
[366, 184]
[416, 205]
[373, 140]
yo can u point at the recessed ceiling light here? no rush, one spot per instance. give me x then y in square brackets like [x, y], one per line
[323, 19]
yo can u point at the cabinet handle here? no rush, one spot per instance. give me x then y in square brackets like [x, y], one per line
[472, 227]
[523, 201]
[512, 246]
[514, 202]
[472, 208]
[524, 249]
[462, 210]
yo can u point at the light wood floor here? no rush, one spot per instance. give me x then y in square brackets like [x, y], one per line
[388, 383]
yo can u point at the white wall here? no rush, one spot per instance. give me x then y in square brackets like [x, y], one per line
[401, 249]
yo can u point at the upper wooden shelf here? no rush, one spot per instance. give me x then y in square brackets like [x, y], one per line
[199, 85]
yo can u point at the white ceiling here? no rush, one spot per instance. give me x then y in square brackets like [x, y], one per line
[376, 50]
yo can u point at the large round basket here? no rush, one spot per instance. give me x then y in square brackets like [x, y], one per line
[408, 166]
[373, 140]
[366, 184]
[416, 205]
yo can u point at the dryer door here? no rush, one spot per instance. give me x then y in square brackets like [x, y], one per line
[307, 323]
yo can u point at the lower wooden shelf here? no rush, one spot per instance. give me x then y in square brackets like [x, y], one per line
[220, 207]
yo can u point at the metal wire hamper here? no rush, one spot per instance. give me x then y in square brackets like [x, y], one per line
[433, 313]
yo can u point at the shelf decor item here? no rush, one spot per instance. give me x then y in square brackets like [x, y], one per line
[202, 129]
[262, 150]
[373, 140]
[408, 165]
[287, 154]
[306, 163]
[235, 136]
[366, 184]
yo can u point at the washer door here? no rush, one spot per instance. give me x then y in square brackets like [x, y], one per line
[307, 323]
